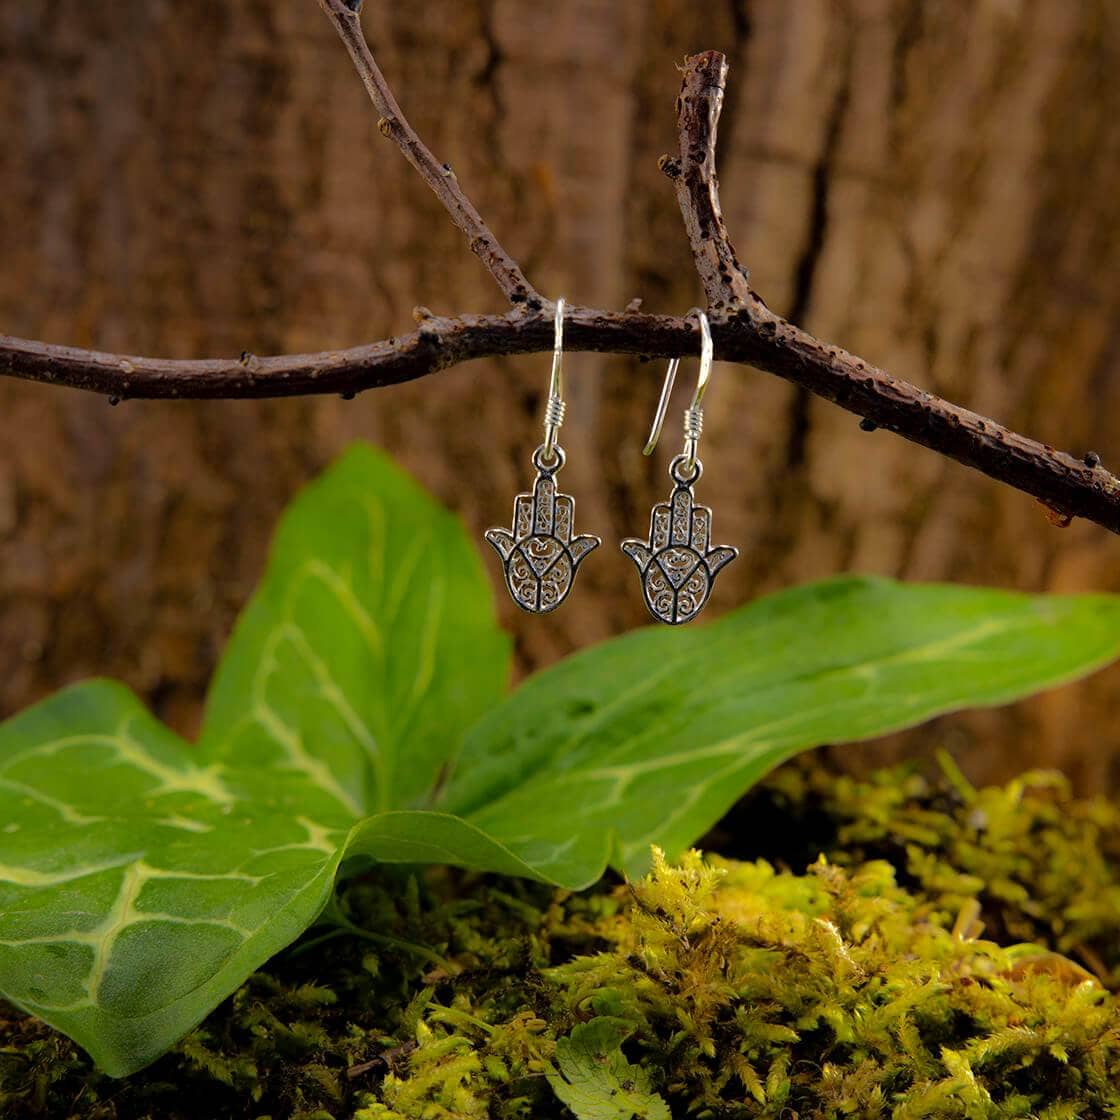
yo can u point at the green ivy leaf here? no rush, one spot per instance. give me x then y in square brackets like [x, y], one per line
[142, 880]
[597, 1082]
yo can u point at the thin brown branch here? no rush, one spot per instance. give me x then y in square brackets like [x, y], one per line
[1068, 486]
[1061, 481]
[725, 280]
[438, 176]
[745, 331]
[438, 343]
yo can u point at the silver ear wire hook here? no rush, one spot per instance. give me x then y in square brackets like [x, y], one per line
[694, 414]
[554, 410]
[662, 406]
[541, 551]
[678, 563]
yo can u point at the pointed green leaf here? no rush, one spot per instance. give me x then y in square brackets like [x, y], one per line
[137, 887]
[368, 647]
[653, 736]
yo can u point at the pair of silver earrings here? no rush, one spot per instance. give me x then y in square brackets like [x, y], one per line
[677, 564]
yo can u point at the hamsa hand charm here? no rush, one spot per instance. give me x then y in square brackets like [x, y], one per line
[540, 555]
[678, 564]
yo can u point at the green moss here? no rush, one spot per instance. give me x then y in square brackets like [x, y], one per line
[1041, 864]
[713, 988]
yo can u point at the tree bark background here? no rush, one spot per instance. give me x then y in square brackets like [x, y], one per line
[928, 183]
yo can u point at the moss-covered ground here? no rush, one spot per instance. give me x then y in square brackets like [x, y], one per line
[908, 947]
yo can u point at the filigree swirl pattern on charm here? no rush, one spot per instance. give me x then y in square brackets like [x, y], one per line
[540, 555]
[678, 563]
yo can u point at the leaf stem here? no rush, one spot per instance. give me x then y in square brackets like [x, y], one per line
[333, 916]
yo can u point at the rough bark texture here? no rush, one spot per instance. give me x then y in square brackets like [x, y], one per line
[929, 185]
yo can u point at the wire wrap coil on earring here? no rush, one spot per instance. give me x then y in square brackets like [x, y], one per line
[554, 412]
